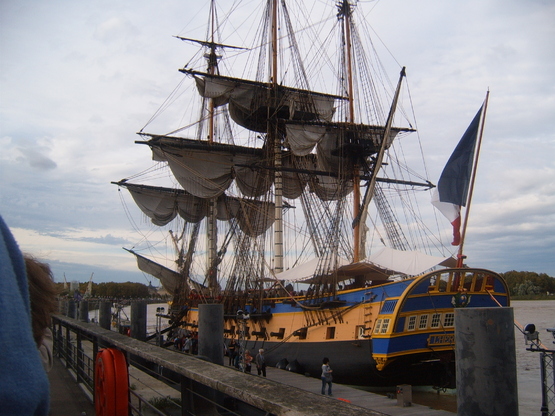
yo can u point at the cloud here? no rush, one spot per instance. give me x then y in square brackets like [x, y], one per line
[114, 29]
[107, 239]
[37, 160]
[78, 81]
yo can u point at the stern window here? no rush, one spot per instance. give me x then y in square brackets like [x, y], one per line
[378, 326]
[411, 323]
[449, 319]
[423, 322]
[436, 319]
[385, 325]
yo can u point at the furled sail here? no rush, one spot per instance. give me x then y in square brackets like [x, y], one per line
[162, 205]
[207, 171]
[169, 278]
[250, 102]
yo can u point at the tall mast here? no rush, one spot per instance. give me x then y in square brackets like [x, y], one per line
[212, 64]
[345, 12]
[460, 255]
[274, 44]
[211, 223]
[275, 137]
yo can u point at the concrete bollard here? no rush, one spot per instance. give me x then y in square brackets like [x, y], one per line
[84, 311]
[71, 309]
[62, 307]
[210, 348]
[105, 314]
[138, 320]
[486, 362]
[211, 332]
[404, 395]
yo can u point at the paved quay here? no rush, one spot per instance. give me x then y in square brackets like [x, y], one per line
[67, 398]
[364, 399]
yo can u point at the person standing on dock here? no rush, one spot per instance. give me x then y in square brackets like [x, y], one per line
[326, 376]
[248, 361]
[260, 361]
[187, 345]
[231, 351]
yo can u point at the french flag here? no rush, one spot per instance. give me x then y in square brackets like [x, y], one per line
[452, 189]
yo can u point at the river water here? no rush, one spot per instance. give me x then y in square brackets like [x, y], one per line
[542, 314]
[538, 312]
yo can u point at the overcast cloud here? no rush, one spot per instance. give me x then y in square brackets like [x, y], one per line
[77, 80]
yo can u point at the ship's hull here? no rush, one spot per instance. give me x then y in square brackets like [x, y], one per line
[386, 334]
[352, 363]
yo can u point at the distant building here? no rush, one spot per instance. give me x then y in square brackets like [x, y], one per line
[73, 286]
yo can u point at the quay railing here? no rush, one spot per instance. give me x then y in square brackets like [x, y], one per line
[202, 388]
[547, 366]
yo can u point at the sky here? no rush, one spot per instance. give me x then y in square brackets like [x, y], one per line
[77, 80]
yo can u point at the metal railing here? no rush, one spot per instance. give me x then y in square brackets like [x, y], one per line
[201, 387]
[547, 362]
[547, 367]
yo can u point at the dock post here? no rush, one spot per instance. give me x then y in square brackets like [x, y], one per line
[211, 332]
[486, 362]
[62, 307]
[105, 314]
[84, 311]
[138, 320]
[210, 348]
[71, 309]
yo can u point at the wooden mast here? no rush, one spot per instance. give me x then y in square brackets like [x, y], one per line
[345, 11]
[460, 255]
[275, 137]
[211, 224]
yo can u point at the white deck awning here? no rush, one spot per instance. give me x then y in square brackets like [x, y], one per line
[411, 263]
[379, 266]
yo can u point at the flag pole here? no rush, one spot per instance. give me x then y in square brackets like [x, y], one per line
[460, 256]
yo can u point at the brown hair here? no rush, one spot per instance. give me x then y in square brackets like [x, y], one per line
[42, 292]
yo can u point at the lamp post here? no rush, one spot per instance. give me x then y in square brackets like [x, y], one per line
[242, 318]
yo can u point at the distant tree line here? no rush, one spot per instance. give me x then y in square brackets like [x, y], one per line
[529, 283]
[127, 290]
[121, 290]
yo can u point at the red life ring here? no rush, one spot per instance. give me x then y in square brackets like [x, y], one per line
[111, 383]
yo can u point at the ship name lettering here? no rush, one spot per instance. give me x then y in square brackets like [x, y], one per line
[441, 339]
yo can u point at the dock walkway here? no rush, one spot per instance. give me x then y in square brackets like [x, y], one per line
[367, 400]
[68, 399]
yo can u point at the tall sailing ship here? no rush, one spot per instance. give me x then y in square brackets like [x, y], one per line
[284, 203]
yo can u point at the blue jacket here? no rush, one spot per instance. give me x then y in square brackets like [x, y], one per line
[24, 388]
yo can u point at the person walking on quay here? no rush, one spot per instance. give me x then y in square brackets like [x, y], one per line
[260, 362]
[248, 361]
[326, 376]
[187, 345]
[231, 351]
